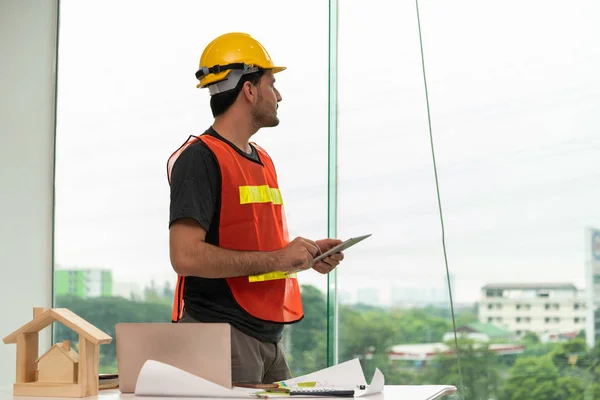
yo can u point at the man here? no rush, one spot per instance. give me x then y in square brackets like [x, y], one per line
[228, 237]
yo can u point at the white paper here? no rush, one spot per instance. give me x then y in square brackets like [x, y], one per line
[170, 383]
[419, 392]
[348, 375]
[159, 379]
[376, 386]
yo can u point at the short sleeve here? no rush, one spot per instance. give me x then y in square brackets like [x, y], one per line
[195, 186]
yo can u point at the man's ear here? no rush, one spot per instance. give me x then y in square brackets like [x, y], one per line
[249, 91]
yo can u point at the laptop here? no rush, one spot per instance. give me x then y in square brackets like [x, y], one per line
[202, 349]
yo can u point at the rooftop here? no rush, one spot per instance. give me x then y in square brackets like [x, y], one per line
[492, 331]
[428, 351]
[530, 286]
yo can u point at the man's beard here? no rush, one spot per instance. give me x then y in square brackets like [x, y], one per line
[263, 117]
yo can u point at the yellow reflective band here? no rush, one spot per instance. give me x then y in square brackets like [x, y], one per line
[270, 276]
[260, 194]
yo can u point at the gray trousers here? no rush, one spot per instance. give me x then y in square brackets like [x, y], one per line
[253, 361]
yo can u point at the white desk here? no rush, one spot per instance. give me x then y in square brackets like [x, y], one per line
[390, 392]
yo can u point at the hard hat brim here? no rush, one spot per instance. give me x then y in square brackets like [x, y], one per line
[277, 69]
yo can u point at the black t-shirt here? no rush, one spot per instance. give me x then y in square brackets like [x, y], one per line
[196, 194]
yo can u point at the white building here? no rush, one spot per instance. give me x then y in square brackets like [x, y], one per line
[545, 309]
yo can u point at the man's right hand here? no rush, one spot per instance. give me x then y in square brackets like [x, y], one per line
[297, 255]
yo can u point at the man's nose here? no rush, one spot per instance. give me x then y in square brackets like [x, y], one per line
[279, 98]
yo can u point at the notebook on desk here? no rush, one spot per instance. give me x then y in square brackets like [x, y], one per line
[202, 349]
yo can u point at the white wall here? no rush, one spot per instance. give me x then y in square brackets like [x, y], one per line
[28, 32]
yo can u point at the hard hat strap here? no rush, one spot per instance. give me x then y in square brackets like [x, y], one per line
[203, 71]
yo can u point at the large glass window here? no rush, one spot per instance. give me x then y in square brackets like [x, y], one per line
[394, 309]
[513, 110]
[126, 100]
[514, 95]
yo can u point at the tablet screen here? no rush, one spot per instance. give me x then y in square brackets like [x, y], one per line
[339, 248]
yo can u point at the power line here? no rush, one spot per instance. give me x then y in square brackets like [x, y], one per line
[437, 186]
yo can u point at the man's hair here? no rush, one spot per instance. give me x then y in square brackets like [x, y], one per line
[220, 103]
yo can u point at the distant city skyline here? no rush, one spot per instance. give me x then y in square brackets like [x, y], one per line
[393, 296]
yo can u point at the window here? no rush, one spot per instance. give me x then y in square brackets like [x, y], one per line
[494, 293]
[513, 166]
[514, 120]
[126, 100]
[386, 188]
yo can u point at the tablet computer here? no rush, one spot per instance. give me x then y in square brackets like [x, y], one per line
[339, 248]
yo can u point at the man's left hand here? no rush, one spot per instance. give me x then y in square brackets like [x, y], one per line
[327, 265]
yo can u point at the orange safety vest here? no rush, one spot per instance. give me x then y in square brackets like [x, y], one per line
[251, 219]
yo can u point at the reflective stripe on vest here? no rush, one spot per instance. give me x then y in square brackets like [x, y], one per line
[260, 194]
[250, 194]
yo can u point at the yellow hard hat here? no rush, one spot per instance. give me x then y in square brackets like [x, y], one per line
[230, 56]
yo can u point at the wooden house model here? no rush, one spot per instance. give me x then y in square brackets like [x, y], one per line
[59, 364]
[59, 372]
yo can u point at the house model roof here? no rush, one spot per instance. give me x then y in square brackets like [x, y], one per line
[66, 317]
[72, 355]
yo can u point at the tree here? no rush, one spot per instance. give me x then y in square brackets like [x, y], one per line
[571, 388]
[168, 291]
[308, 352]
[479, 367]
[531, 338]
[564, 354]
[532, 378]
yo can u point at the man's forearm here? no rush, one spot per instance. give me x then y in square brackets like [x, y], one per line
[208, 261]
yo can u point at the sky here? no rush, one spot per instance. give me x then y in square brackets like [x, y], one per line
[514, 99]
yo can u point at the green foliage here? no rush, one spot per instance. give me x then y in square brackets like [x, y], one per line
[479, 366]
[307, 348]
[164, 295]
[532, 378]
[571, 388]
[531, 339]
[542, 378]
[105, 313]
[566, 370]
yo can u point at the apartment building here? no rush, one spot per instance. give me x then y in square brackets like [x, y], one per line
[546, 309]
[83, 282]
